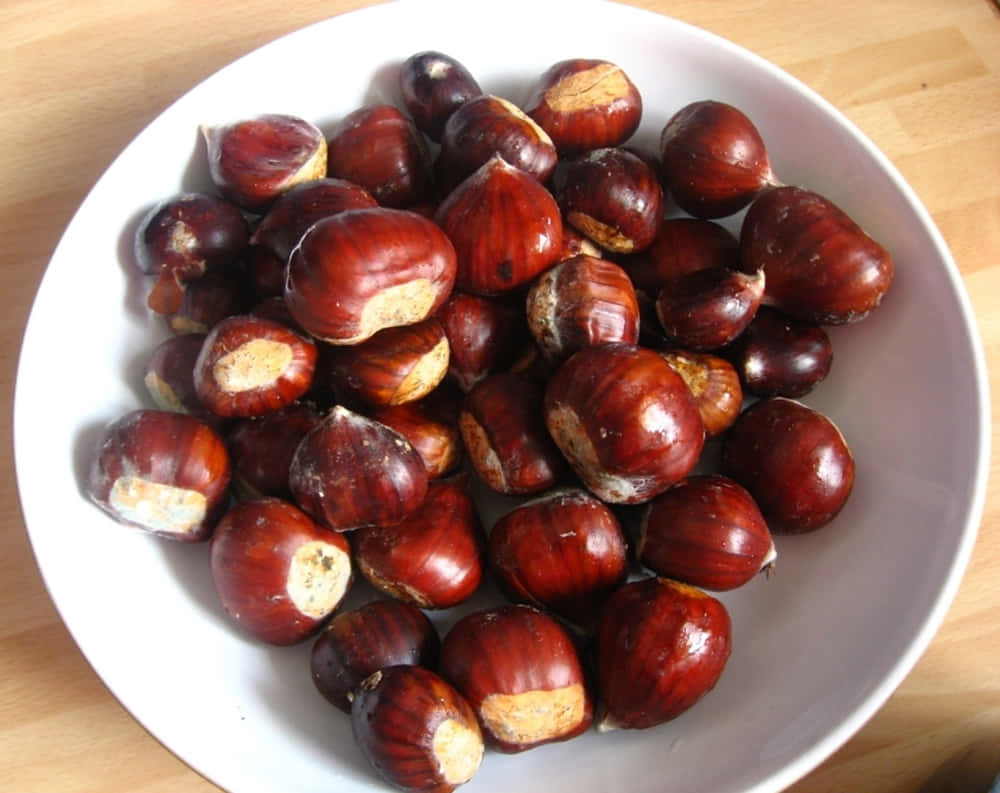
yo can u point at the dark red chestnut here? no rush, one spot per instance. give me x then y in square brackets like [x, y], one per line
[433, 558]
[614, 198]
[625, 421]
[169, 375]
[714, 384]
[352, 471]
[250, 366]
[714, 160]
[707, 309]
[563, 551]
[163, 472]
[431, 426]
[265, 272]
[360, 271]
[433, 85]
[505, 226]
[380, 149]
[585, 104]
[580, 302]
[182, 238]
[252, 161]
[521, 672]
[416, 730]
[574, 244]
[505, 437]
[705, 531]
[278, 574]
[661, 646]
[355, 644]
[821, 266]
[218, 294]
[793, 460]
[780, 356]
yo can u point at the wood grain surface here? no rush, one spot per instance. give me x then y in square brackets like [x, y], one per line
[79, 80]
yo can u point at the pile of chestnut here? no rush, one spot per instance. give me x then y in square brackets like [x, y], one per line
[374, 322]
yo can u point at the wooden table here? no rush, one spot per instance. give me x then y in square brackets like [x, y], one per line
[79, 80]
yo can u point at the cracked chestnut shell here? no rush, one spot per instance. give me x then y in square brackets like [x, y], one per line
[661, 646]
[625, 421]
[433, 85]
[416, 730]
[520, 671]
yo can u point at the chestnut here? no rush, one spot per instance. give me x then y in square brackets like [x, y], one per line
[564, 552]
[249, 366]
[355, 644]
[261, 449]
[821, 266]
[709, 308]
[794, 461]
[431, 426]
[505, 438]
[416, 730]
[625, 421]
[278, 574]
[380, 149]
[183, 237]
[433, 85]
[580, 302]
[521, 672]
[706, 531]
[358, 272]
[433, 558]
[169, 375]
[351, 471]
[218, 294]
[614, 198]
[163, 472]
[394, 366]
[714, 161]
[252, 161]
[265, 272]
[714, 384]
[585, 104]
[506, 228]
[661, 646]
[780, 356]
[574, 244]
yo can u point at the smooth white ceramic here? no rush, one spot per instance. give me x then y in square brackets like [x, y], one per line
[818, 646]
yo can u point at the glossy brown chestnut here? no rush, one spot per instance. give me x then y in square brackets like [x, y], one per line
[489, 126]
[793, 460]
[265, 272]
[714, 384]
[352, 471]
[714, 160]
[574, 244]
[355, 644]
[433, 85]
[183, 237]
[169, 375]
[295, 210]
[416, 730]
[218, 294]
[580, 302]
[780, 356]
[261, 449]
[707, 309]
[252, 161]
[624, 420]
[505, 437]
[682, 245]
[394, 366]
[706, 531]
[614, 198]
[521, 672]
[433, 558]
[249, 366]
[360, 271]
[380, 149]
[163, 472]
[821, 266]
[585, 104]
[661, 646]
[564, 552]
[278, 574]
[506, 228]
[431, 426]
[484, 335]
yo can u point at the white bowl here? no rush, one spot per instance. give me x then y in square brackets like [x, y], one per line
[818, 646]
